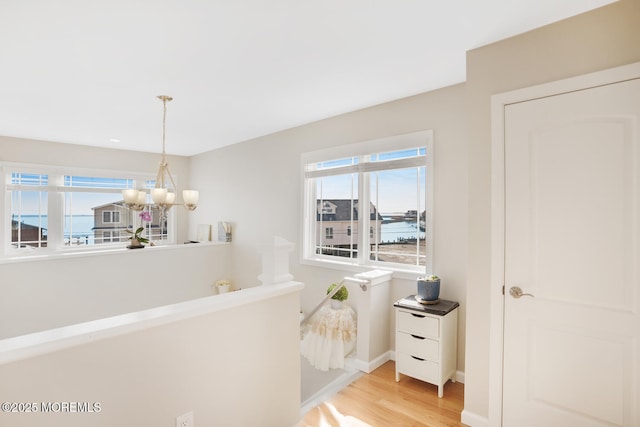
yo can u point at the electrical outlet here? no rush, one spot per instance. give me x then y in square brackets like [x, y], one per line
[185, 420]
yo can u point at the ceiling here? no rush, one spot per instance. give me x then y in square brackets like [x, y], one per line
[88, 72]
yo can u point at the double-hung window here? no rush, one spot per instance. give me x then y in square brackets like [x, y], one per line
[48, 209]
[371, 203]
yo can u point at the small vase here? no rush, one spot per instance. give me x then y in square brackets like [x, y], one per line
[223, 289]
[335, 304]
[135, 244]
[429, 290]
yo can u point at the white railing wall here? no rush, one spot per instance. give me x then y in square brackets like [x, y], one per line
[231, 359]
[49, 292]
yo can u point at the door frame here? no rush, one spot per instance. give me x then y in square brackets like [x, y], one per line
[498, 104]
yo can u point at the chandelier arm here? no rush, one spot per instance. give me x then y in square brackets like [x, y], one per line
[173, 184]
[160, 175]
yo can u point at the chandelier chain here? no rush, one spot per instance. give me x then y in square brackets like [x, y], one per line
[164, 123]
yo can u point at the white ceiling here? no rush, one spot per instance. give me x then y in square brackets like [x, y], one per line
[88, 72]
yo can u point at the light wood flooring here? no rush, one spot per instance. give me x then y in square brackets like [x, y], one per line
[377, 400]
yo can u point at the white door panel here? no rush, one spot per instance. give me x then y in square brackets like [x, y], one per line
[572, 226]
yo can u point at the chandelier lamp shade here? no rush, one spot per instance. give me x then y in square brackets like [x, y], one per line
[164, 193]
[134, 199]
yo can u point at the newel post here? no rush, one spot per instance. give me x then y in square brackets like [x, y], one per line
[275, 261]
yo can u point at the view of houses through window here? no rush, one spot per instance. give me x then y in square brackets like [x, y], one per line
[393, 236]
[49, 210]
[371, 208]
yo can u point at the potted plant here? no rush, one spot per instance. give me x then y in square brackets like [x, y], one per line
[428, 289]
[223, 286]
[136, 239]
[338, 297]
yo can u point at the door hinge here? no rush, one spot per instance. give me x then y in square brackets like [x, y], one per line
[502, 289]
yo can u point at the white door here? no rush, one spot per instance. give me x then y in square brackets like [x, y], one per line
[572, 241]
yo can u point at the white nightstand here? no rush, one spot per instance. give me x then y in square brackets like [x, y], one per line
[426, 340]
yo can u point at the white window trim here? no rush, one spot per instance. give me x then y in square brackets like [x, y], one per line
[56, 200]
[393, 143]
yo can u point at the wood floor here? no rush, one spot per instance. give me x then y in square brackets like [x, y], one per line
[377, 400]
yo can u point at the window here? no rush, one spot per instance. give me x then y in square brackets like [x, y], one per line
[29, 216]
[53, 209]
[328, 233]
[110, 236]
[110, 216]
[383, 187]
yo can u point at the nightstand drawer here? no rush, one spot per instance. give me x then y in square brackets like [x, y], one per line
[415, 345]
[418, 324]
[424, 370]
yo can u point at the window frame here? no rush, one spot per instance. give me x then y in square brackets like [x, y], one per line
[111, 215]
[56, 190]
[308, 253]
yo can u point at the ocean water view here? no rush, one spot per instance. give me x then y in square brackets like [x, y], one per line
[393, 232]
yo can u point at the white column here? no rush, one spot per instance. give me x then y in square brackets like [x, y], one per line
[275, 261]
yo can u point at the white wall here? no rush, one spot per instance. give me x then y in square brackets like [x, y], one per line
[597, 40]
[235, 366]
[40, 295]
[256, 185]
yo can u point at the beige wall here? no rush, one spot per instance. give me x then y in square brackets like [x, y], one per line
[597, 40]
[256, 185]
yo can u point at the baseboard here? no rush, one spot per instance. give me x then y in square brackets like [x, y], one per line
[329, 390]
[473, 420]
[369, 367]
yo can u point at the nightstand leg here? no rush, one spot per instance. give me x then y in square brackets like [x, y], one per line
[440, 391]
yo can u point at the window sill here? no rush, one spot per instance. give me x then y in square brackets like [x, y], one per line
[70, 253]
[407, 272]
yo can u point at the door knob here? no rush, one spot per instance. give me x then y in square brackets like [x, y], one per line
[516, 292]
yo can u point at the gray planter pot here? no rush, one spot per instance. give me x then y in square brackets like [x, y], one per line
[429, 290]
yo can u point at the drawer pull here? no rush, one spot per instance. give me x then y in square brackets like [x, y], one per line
[418, 358]
[418, 315]
[417, 337]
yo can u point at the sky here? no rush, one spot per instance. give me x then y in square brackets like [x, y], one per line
[76, 203]
[391, 191]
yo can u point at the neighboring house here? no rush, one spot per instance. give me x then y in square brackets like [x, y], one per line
[28, 235]
[337, 222]
[111, 221]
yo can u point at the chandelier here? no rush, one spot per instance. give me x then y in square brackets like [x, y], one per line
[164, 193]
